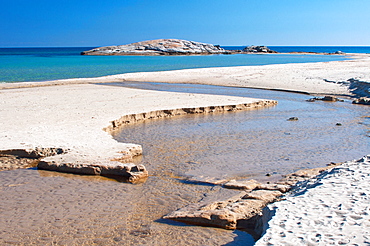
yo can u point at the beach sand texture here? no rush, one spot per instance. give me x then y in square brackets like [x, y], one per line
[330, 209]
[313, 78]
[73, 115]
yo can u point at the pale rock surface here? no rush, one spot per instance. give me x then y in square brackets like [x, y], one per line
[159, 47]
[236, 212]
[242, 184]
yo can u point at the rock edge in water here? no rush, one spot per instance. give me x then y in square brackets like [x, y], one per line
[244, 210]
[86, 162]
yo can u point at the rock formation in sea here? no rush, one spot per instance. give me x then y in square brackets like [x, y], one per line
[258, 49]
[159, 47]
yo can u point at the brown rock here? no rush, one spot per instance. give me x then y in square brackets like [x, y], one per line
[223, 214]
[268, 196]
[243, 185]
[134, 173]
[207, 180]
[279, 187]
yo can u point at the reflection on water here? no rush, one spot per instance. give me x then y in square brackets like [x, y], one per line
[49, 208]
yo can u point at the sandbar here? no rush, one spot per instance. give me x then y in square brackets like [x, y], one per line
[72, 118]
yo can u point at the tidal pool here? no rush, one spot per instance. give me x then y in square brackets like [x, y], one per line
[48, 208]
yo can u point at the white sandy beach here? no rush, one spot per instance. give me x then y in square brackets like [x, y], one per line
[71, 114]
[302, 77]
[331, 209]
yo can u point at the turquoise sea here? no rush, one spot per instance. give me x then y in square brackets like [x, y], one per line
[40, 64]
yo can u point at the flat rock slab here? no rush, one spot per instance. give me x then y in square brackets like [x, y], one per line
[243, 211]
[134, 173]
[226, 214]
[207, 180]
[242, 185]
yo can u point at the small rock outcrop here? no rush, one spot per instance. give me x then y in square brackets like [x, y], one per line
[134, 173]
[326, 99]
[362, 100]
[159, 47]
[226, 214]
[243, 211]
[241, 185]
[292, 119]
[258, 49]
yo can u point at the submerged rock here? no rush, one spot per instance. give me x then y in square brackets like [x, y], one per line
[159, 47]
[206, 180]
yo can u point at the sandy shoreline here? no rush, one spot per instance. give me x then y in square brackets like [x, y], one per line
[72, 117]
[312, 78]
[73, 114]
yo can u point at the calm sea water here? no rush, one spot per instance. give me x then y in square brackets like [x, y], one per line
[317, 49]
[40, 64]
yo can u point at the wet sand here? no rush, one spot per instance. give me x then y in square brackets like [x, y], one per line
[47, 208]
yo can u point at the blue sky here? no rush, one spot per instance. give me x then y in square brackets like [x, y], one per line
[56, 23]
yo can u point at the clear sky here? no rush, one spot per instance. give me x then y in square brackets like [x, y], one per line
[57, 23]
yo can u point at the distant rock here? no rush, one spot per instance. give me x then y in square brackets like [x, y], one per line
[338, 53]
[326, 99]
[159, 47]
[362, 100]
[293, 119]
[258, 49]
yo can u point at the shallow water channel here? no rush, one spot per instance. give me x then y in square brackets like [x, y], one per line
[250, 144]
[48, 208]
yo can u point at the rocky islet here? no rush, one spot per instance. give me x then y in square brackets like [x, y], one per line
[159, 47]
[172, 47]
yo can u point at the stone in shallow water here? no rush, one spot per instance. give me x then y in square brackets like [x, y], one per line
[267, 196]
[207, 180]
[226, 214]
[134, 173]
[279, 187]
[243, 185]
